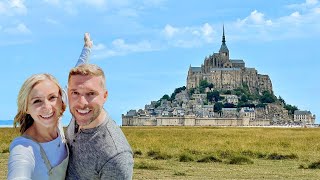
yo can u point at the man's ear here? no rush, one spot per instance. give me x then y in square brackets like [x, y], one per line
[105, 95]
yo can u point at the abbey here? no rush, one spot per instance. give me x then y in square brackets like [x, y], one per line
[192, 106]
[227, 74]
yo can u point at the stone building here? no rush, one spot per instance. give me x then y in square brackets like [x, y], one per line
[227, 74]
[304, 117]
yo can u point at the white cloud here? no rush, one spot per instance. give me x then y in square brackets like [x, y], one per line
[52, 21]
[99, 4]
[53, 2]
[119, 47]
[189, 36]
[169, 30]
[19, 29]
[13, 7]
[207, 31]
[98, 47]
[303, 6]
[255, 18]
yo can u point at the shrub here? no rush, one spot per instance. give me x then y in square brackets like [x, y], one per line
[185, 158]
[162, 156]
[240, 160]
[153, 153]
[137, 153]
[6, 150]
[179, 174]
[248, 153]
[209, 158]
[158, 155]
[276, 156]
[225, 154]
[144, 165]
[314, 165]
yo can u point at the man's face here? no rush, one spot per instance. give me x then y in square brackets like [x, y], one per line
[86, 98]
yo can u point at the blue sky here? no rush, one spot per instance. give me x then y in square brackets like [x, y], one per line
[147, 46]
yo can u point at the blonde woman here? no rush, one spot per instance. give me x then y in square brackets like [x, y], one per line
[41, 152]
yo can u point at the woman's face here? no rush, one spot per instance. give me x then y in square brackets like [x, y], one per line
[45, 104]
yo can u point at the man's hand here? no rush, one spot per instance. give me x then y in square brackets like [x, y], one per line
[87, 41]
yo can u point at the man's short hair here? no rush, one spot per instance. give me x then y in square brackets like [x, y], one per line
[88, 70]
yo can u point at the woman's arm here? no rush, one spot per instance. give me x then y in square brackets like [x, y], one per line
[21, 163]
[84, 56]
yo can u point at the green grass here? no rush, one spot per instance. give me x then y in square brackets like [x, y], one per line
[214, 152]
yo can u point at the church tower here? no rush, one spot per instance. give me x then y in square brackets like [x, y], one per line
[224, 51]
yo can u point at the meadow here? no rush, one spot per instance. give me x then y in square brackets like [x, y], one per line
[214, 152]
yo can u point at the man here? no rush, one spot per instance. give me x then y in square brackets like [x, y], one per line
[98, 147]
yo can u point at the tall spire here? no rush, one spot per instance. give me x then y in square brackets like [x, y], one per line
[224, 49]
[223, 37]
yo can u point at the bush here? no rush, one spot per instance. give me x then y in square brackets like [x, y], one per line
[179, 174]
[185, 158]
[158, 155]
[144, 165]
[248, 153]
[240, 160]
[162, 156]
[210, 158]
[225, 154]
[137, 153]
[153, 153]
[314, 165]
[276, 156]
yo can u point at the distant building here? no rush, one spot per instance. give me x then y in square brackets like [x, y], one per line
[227, 74]
[304, 117]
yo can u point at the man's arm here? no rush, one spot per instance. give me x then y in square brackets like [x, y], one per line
[84, 56]
[119, 167]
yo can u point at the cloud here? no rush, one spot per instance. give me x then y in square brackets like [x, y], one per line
[18, 29]
[13, 7]
[207, 31]
[169, 31]
[51, 21]
[119, 47]
[188, 36]
[255, 18]
[53, 2]
[307, 4]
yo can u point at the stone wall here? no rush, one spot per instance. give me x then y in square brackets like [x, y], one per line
[190, 121]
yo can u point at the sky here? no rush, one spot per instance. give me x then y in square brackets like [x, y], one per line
[146, 47]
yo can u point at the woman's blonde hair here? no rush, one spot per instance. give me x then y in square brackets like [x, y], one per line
[22, 117]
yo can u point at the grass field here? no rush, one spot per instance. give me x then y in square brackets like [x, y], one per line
[214, 152]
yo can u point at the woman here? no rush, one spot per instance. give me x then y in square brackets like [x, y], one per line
[41, 152]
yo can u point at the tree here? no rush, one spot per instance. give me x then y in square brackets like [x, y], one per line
[213, 96]
[267, 97]
[282, 100]
[290, 108]
[229, 105]
[218, 107]
[166, 96]
[191, 91]
[176, 91]
[244, 98]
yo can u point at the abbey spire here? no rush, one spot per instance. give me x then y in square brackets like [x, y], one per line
[224, 49]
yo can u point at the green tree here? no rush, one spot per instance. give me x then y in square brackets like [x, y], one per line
[282, 100]
[166, 96]
[213, 96]
[229, 105]
[176, 91]
[290, 108]
[218, 107]
[267, 97]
